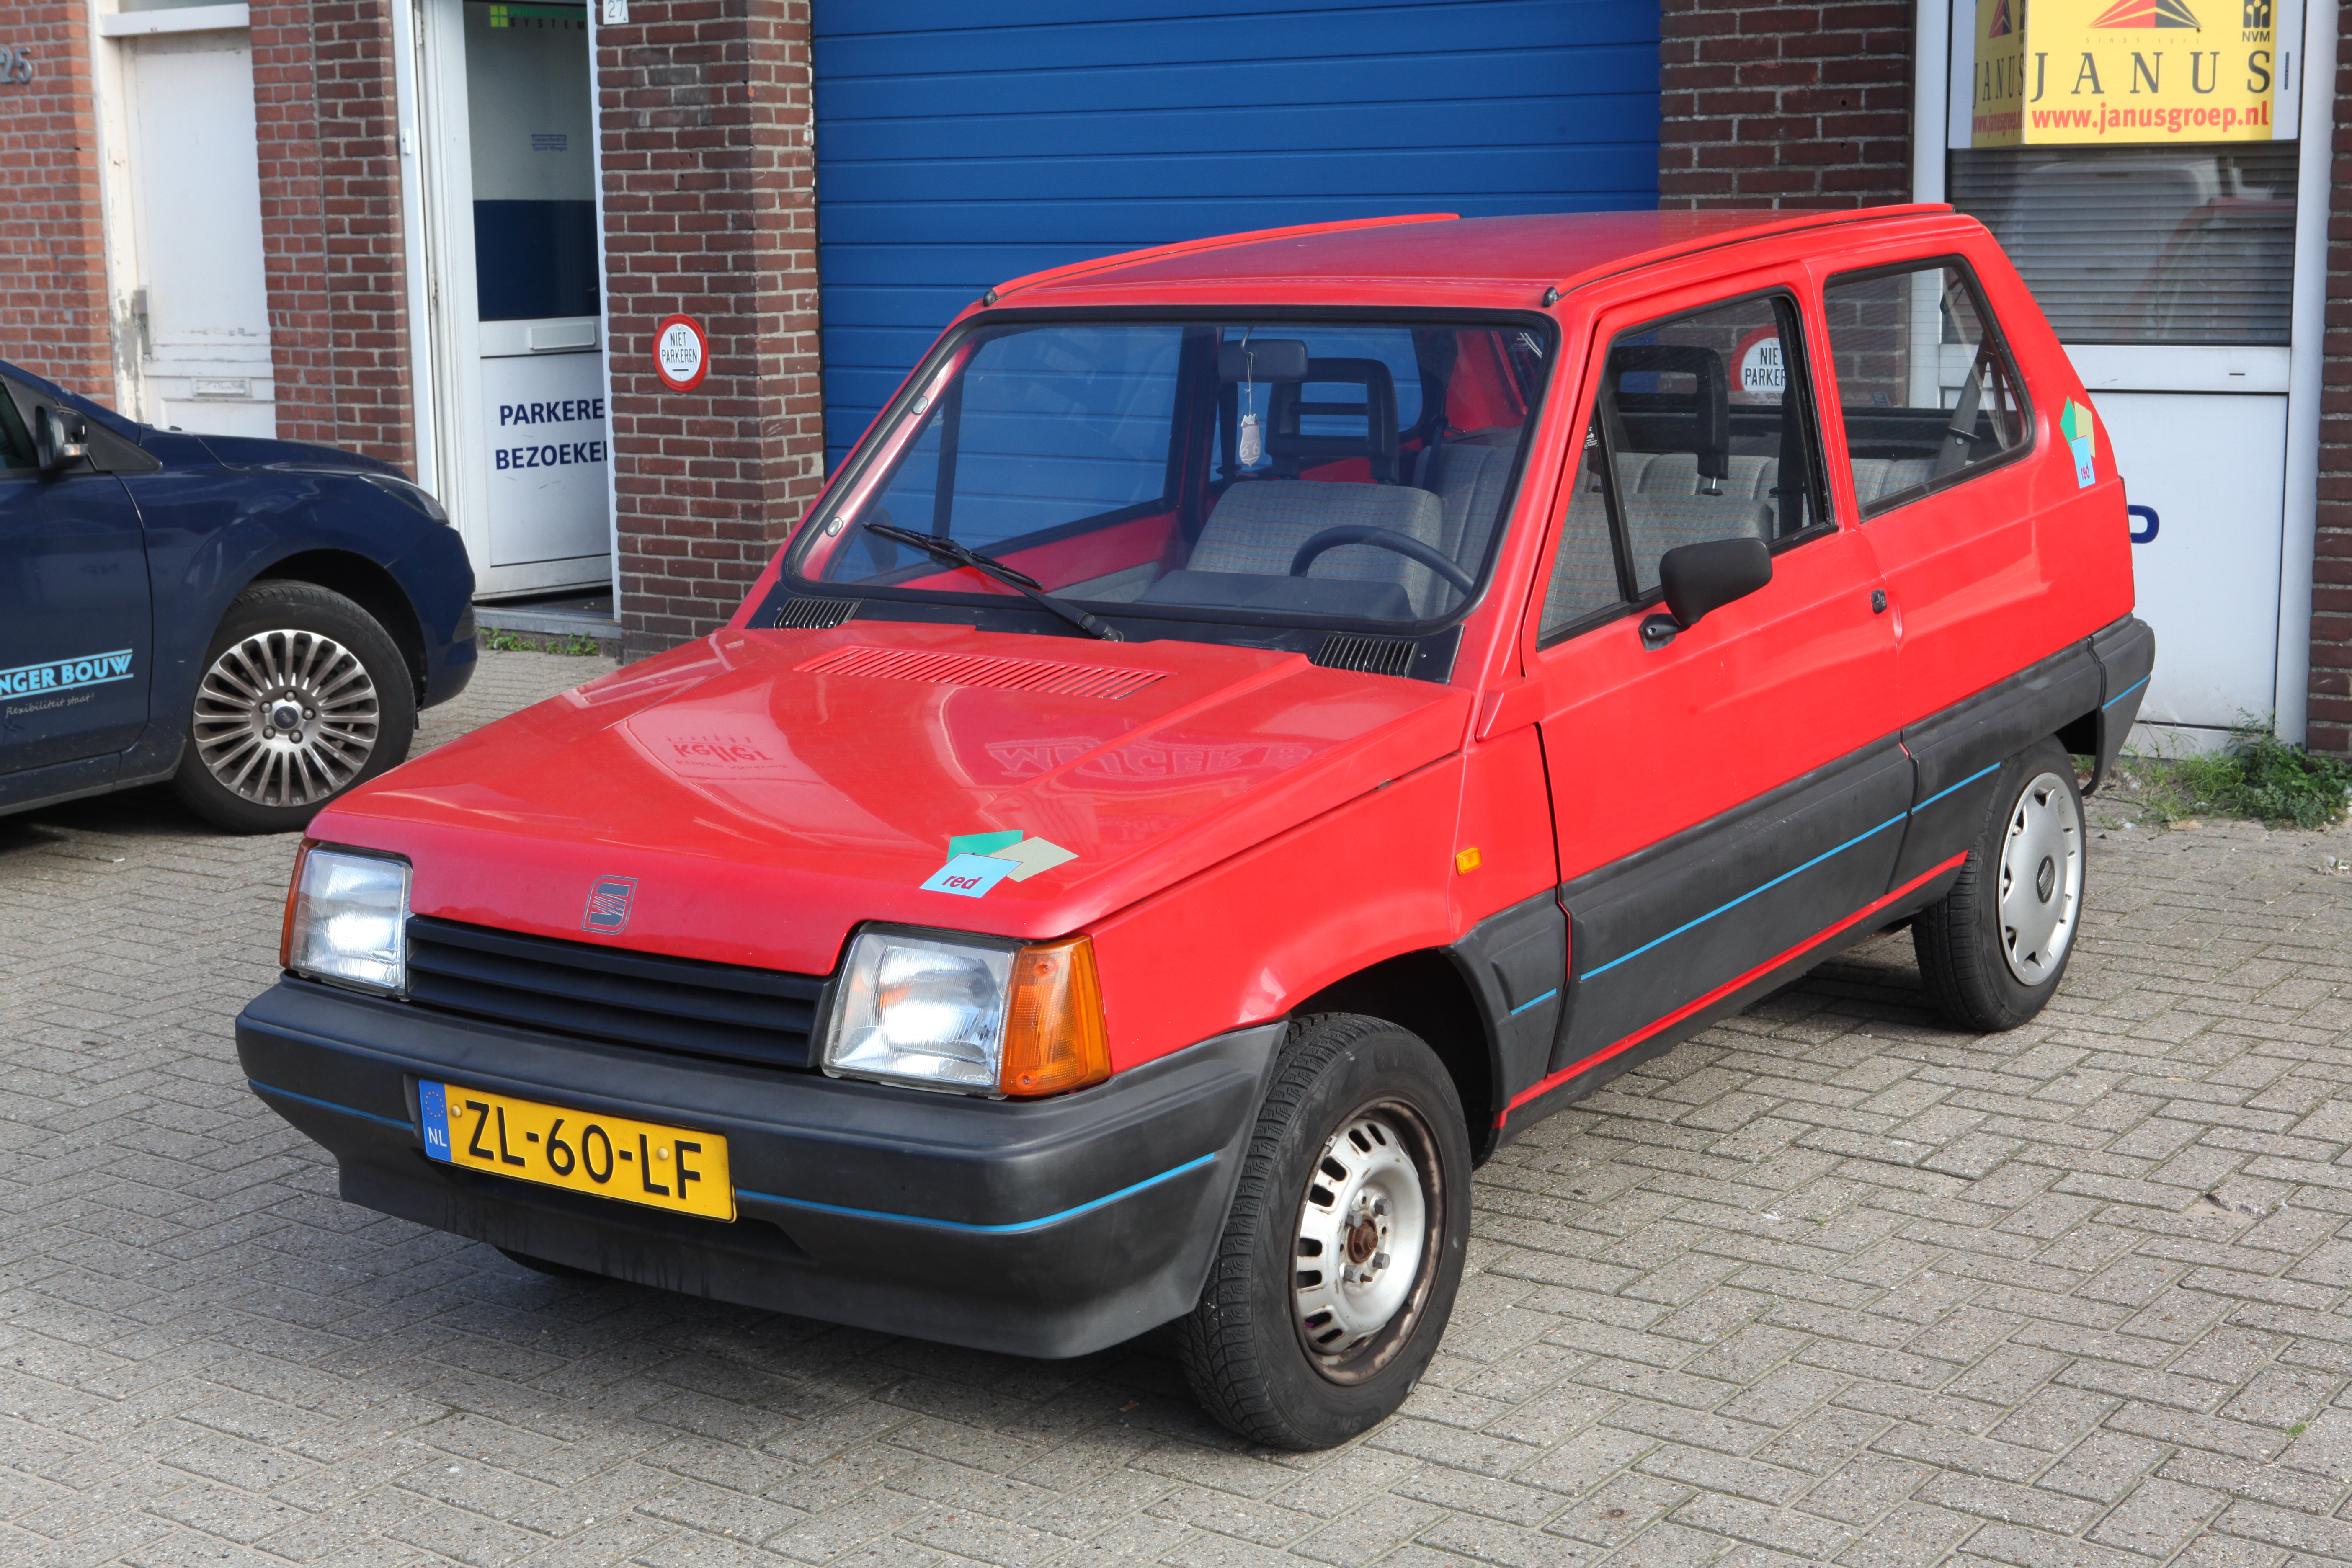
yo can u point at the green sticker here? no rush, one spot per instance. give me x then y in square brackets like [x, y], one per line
[983, 843]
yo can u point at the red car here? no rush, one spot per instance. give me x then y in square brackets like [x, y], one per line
[1256, 724]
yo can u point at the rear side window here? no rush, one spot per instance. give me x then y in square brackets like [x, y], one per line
[1701, 430]
[1926, 386]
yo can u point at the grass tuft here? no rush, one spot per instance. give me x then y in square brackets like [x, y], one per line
[496, 641]
[2258, 776]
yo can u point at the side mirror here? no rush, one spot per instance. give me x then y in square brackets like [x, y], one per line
[1700, 578]
[59, 441]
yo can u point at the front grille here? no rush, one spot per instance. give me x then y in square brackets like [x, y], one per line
[601, 993]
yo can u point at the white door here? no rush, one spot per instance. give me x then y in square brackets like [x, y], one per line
[195, 198]
[519, 315]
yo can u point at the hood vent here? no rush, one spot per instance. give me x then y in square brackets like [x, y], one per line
[1373, 656]
[1051, 677]
[815, 614]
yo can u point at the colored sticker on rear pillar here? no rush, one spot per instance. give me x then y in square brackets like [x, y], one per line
[2077, 425]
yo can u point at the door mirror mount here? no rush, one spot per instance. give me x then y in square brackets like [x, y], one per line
[1701, 578]
[59, 439]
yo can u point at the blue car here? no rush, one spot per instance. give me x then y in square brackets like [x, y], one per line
[257, 622]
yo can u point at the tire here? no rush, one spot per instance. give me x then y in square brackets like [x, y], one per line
[549, 1267]
[292, 651]
[1367, 1089]
[1993, 950]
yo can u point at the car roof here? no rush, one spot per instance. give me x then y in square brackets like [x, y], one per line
[1430, 250]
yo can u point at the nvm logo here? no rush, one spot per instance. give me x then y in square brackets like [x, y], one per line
[2258, 16]
[2147, 14]
[608, 905]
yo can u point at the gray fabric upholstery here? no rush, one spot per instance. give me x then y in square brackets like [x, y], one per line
[1468, 476]
[1664, 507]
[1585, 567]
[1874, 479]
[1259, 524]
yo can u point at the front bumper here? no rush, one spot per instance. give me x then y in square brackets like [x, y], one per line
[1046, 1228]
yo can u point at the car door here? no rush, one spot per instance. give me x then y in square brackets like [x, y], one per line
[76, 627]
[1723, 798]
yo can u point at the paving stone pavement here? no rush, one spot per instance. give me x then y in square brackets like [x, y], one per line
[1827, 1284]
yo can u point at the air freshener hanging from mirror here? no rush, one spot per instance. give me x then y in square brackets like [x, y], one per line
[1250, 443]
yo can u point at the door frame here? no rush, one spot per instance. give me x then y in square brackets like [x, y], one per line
[1939, 82]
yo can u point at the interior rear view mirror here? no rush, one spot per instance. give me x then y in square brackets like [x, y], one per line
[60, 441]
[1263, 359]
[1702, 578]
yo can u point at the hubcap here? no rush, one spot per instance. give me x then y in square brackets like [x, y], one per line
[2040, 879]
[1365, 1252]
[286, 718]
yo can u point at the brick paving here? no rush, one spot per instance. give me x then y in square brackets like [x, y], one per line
[1828, 1284]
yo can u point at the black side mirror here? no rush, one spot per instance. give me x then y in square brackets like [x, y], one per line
[1700, 578]
[60, 441]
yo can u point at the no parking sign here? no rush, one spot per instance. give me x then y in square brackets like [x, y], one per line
[681, 352]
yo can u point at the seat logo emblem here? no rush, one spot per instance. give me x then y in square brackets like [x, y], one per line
[608, 905]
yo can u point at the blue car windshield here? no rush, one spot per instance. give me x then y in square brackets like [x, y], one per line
[1234, 470]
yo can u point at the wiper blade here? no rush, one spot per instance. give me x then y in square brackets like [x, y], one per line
[947, 549]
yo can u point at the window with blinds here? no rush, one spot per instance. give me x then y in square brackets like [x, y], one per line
[2143, 245]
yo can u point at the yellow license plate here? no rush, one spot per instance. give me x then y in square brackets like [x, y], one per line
[636, 1162]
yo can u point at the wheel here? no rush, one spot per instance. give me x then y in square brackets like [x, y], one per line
[1994, 948]
[1337, 1267]
[303, 695]
[548, 1266]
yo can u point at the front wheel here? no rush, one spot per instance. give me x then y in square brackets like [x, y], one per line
[1339, 1265]
[303, 695]
[1993, 949]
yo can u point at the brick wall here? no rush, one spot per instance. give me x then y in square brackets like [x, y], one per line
[710, 203]
[53, 296]
[325, 117]
[2330, 717]
[1767, 104]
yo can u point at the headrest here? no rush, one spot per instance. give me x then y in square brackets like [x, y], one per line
[1263, 359]
[1378, 442]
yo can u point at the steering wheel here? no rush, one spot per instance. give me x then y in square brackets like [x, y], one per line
[1404, 544]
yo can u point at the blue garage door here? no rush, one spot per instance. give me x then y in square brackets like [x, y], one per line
[961, 143]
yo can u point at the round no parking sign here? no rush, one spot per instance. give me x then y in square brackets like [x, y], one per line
[681, 354]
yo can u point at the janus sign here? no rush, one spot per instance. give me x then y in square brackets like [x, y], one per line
[2059, 72]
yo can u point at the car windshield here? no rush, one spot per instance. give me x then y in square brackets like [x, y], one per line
[1242, 471]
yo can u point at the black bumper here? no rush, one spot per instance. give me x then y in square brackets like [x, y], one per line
[1046, 1228]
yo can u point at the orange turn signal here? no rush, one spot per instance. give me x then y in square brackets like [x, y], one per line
[293, 893]
[1055, 1040]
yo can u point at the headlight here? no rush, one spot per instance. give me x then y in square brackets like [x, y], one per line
[943, 1012]
[410, 491]
[347, 919]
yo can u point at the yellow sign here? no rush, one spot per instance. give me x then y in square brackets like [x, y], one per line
[2061, 72]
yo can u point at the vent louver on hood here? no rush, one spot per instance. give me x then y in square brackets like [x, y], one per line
[1373, 656]
[1050, 677]
[815, 614]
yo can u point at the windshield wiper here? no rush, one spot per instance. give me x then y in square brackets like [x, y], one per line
[947, 549]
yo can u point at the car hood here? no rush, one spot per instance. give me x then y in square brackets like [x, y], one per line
[760, 807]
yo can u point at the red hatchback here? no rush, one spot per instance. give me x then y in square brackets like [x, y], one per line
[1255, 724]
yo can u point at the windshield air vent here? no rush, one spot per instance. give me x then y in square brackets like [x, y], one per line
[1050, 677]
[814, 613]
[1373, 656]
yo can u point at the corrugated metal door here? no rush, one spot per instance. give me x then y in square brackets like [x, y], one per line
[961, 142]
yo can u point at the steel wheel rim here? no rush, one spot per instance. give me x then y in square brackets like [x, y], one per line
[1366, 1246]
[286, 718]
[2041, 889]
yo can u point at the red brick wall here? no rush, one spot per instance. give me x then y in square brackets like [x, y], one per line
[53, 297]
[2330, 717]
[324, 114]
[1768, 104]
[709, 210]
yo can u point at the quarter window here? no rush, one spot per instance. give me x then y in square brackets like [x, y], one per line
[1925, 387]
[1701, 429]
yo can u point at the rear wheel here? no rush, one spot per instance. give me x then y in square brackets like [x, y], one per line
[1339, 1265]
[1994, 948]
[303, 695]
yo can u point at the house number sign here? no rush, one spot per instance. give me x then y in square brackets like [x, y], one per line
[16, 64]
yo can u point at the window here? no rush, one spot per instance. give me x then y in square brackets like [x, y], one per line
[15, 441]
[1243, 470]
[2144, 245]
[1704, 423]
[1927, 391]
